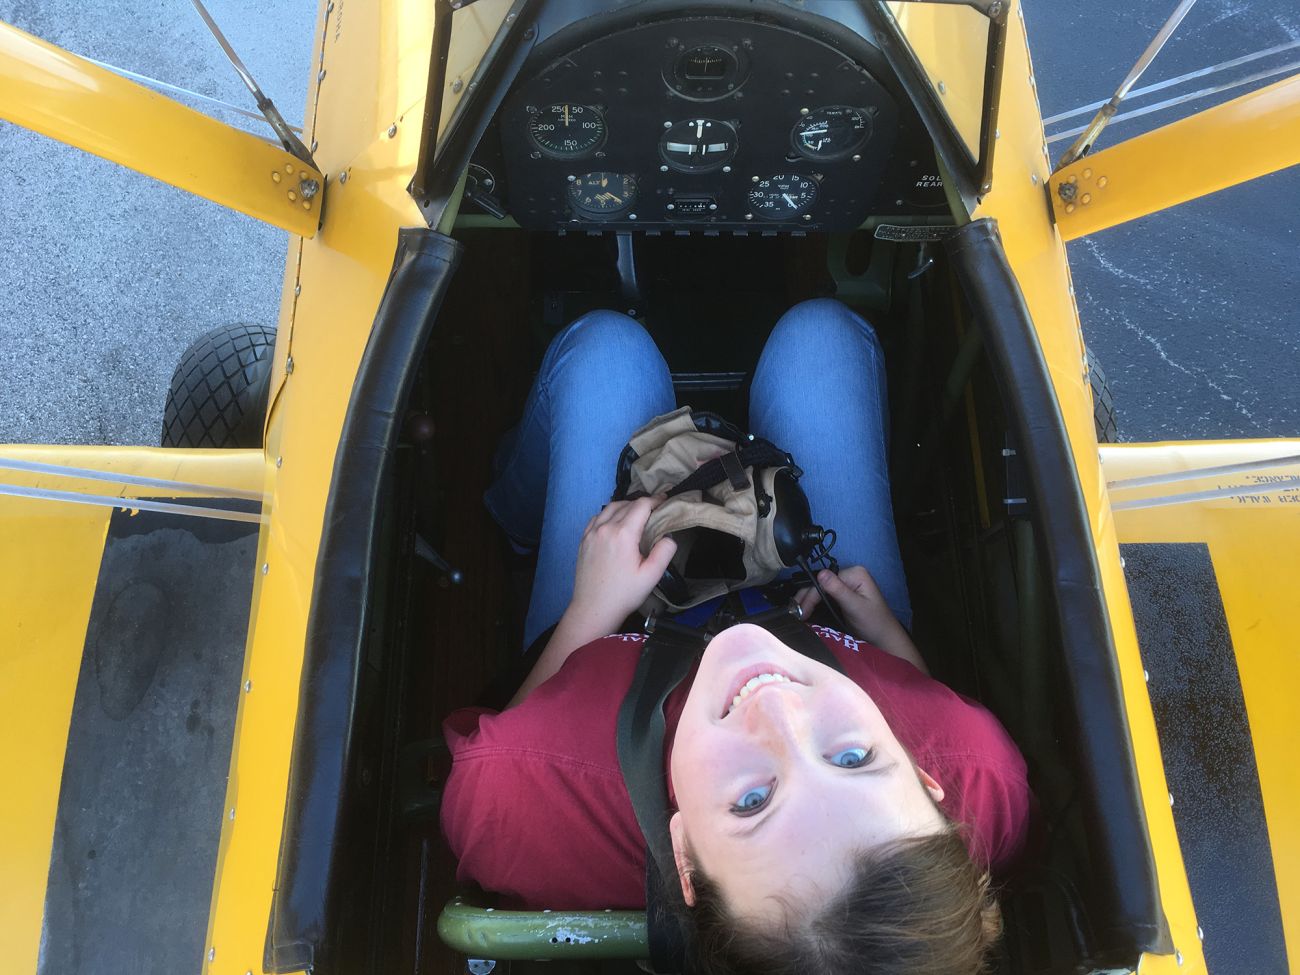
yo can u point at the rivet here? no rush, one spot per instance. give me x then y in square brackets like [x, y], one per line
[663, 169]
[1171, 800]
[997, 133]
[1200, 935]
[275, 177]
[288, 366]
[392, 130]
[726, 169]
[713, 206]
[753, 179]
[749, 216]
[297, 290]
[456, 86]
[314, 144]
[803, 111]
[857, 157]
[1033, 178]
[942, 88]
[807, 216]
[212, 953]
[288, 168]
[330, 8]
[343, 176]
[668, 125]
[1102, 181]
[1069, 208]
[292, 195]
[1146, 676]
[574, 179]
[1087, 174]
[1086, 199]
[1073, 180]
[631, 216]
[306, 205]
[248, 687]
[321, 76]
[1178, 957]
[670, 207]
[232, 814]
[1033, 82]
[279, 462]
[266, 567]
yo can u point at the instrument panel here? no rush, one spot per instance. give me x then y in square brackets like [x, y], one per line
[711, 124]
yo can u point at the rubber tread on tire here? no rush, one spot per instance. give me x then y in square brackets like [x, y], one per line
[1103, 403]
[218, 393]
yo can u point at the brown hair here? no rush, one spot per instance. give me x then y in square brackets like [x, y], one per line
[917, 906]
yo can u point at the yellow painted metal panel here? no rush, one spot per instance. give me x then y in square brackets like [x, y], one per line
[951, 43]
[48, 90]
[1253, 540]
[49, 563]
[375, 62]
[1250, 136]
[1036, 252]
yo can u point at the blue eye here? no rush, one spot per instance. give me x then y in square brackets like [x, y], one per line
[752, 801]
[853, 757]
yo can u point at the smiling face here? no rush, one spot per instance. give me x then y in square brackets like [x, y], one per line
[780, 778]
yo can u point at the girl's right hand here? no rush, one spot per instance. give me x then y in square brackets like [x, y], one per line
[613, 579]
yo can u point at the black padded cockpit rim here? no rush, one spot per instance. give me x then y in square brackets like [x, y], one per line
[1124, 911]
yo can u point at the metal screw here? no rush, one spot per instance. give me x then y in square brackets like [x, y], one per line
[279, 462]
[1178, 957]
[248, 687]
[995, 10]
[1146, 676]
[343, 176]
[670, 207]
[266, 567]
[713, 206]
[392, 130]
[807, 216]
[997, 133]
[726, 169]
[297, 290]
[309, 188]
[857, 157]
[986, 187]
[1067, 191]
[663, 169]
[942, 88]
[288, 366]
[1033, 178]
[1171, 800]
[631, 216]
[749, 216]
[232, 814]
[1200, 935]
[212, 953]
[803, 111]
[481, 966]
[321, 76]
[574, 179]
[668, 125]
[314, 145]
[753, 179]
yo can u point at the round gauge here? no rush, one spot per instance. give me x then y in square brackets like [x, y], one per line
[698, 145]
[567, 131]
[602, 195]
[783, 196]
[832, 132]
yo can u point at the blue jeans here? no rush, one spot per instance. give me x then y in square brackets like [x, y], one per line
[818, 392]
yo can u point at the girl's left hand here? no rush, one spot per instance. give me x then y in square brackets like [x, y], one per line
[612, 578]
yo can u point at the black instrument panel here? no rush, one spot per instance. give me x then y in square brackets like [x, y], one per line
[707, 123]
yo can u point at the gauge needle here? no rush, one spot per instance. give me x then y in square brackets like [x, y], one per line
[786, 197]
[566, 116]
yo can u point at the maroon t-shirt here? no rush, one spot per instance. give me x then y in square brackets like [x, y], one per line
[536, 809]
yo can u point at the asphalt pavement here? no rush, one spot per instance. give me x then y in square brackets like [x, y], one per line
[108, 275]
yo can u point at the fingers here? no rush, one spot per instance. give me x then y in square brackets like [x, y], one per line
[807, 599]
[657, 561]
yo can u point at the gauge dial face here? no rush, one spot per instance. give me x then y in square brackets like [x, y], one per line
[832, 132]
[698, 145]
[602, 195]
[782, 197]
[567, 131]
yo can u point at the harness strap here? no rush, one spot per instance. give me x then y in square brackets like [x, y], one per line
[758, 453]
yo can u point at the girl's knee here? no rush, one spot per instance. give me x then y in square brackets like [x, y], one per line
[604, 334]
[824, 321]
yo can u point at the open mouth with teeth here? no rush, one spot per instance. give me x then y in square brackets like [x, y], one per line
[752, 682]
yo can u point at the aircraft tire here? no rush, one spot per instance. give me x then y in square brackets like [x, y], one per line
[218, 393]
[1103, 403]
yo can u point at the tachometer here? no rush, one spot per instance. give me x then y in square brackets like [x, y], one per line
[832, 132]
[782, 197]
[602, 195]
[567, 131]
